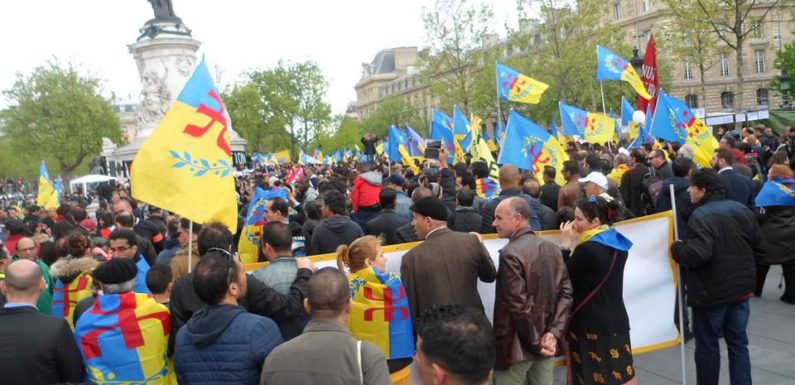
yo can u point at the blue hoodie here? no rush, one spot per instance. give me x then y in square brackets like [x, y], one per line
[224, 344]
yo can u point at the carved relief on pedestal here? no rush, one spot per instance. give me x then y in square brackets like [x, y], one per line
[155, 97]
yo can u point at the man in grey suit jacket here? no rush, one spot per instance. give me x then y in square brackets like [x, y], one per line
[445, 268]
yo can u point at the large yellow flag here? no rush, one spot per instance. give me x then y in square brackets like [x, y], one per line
[47, 197]
[185, 166]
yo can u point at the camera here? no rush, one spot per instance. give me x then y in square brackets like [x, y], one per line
[432, 147]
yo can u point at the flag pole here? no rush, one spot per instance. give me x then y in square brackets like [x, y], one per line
[190, 247]
[602, 89]
[680, 297]
[499, 109]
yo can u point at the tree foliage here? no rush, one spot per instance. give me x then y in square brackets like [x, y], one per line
[394, 110]
[57, 113]
[347, 133]
[785, 62]
[557, 45]
[280, 107]
[455, 32]
[732, 21]
[690, 40]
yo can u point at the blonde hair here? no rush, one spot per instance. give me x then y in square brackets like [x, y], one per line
[354, 256]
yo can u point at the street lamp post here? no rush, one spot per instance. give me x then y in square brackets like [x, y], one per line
[784, 86]
[636, 62]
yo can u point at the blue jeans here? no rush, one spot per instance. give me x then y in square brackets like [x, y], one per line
[707, 322]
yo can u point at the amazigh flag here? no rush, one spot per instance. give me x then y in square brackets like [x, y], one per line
[627, 112]
[48, 195]
[487, 188]
[123, 339]
[513, 86]
[675, 122]
[777, 191]
[529, 147]
[591, 126]
[442, 129]
[380, 312]
[416, 143]
[250, 241]
[66, 296]
[613, 67]
[185, 166]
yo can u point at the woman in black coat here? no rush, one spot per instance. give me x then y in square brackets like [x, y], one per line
[598, 338]
[776, 204]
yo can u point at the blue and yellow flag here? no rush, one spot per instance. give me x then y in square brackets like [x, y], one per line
[777, 191]
[380, 312]
[185, 166]
[250, 242]
[396, 139]
[462, 134]
[487, 188]
[675, 122]
[48, 196]
[65, 297]
[528, 146]
[591, 126]
[416, 143]
[513, 86]
[442, 129]
[282, 156]
[123, 339]
[613, 67]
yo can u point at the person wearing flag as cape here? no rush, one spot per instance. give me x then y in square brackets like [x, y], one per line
[776, 203]
[392, 333]
[598, 339]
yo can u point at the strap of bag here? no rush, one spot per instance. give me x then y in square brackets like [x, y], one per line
[359, 361]
[593, 292]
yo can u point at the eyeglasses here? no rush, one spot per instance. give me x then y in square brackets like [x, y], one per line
[229, 263]
[26, 249]
[120, 248]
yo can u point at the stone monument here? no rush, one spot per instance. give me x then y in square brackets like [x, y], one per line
[165, 53]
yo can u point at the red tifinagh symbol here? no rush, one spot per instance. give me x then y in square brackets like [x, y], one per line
[82, 284]
[509, 81]
[388, 301]
[215, 116]
[128, 325]
[538, 159]
[517, 85]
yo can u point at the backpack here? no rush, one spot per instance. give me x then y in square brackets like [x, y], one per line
[652, 189]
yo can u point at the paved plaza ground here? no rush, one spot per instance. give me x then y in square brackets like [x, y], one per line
[771, 334]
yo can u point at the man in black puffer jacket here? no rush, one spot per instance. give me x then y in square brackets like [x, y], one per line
[723, 240]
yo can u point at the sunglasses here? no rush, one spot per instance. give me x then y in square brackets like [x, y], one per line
[229, 264]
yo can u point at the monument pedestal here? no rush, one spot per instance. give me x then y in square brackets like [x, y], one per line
[166, 56]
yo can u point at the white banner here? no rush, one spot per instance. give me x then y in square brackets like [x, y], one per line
[649, 279]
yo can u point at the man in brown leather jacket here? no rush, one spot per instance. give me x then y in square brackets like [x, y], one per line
[533, 299]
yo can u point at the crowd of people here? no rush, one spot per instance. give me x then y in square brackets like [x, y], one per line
[114, 291]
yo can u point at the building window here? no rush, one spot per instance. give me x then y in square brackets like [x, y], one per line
[756, 26]
[691, 100]
[727, 99]
[688, 71]
[759, 59]
[724, 64]
[617, 10]
[761, 97]
[646, 36]
[644, 5]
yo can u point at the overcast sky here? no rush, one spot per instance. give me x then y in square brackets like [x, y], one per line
[236, 35]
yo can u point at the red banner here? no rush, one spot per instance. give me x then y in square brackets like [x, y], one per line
[650, 76]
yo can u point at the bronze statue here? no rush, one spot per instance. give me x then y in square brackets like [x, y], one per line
[163, 9]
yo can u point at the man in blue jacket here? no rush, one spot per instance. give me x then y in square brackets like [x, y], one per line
[222, 343]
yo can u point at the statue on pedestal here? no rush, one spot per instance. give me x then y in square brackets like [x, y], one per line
[163, 9]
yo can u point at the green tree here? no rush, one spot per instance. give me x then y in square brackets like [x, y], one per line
[690, 40]
[558, 47]
[785, 62]
[57, 113]
[732, 21]
[394, 110]
[455, 32]
[281, 105]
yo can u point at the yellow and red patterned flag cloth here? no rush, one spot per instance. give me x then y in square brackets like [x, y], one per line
[123, 339]
[185, 166]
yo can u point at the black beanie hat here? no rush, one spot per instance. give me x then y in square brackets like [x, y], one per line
[117, 270]
[430, 207]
